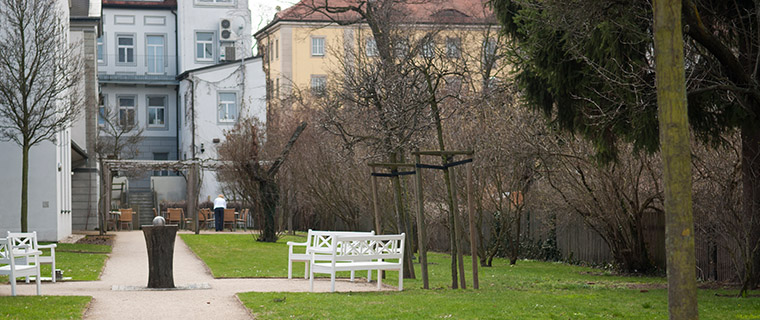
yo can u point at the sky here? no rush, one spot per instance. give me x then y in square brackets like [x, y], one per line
[262, 11]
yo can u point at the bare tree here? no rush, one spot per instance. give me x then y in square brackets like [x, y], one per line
[118, 138]
[40, 73]
[252, 177]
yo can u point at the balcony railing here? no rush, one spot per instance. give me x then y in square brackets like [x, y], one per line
[137, 69]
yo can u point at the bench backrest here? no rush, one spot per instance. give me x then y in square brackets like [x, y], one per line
[368, 247]
[321, 241]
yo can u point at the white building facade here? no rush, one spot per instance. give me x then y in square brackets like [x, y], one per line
[53, 163]
[149, 53]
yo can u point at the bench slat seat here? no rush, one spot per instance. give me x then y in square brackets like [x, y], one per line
[360, 252]
[317, 241]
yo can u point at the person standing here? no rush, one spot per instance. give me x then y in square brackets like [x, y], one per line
[219, 205]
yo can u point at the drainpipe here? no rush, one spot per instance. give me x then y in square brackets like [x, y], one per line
[176, 90]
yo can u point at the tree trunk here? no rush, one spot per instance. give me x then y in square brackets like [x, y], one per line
[751, 202]
[403, 221]
[24, 186]
[160, 244]
[676, 157]
[269, 197]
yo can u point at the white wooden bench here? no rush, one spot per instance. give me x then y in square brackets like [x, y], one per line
[18, 261]
[317, 241]
[360, 252]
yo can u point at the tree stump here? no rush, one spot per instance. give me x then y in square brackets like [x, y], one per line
[160, 243]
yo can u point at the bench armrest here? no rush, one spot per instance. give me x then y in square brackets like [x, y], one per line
[26, 253]
[47, 246]
[303, 244]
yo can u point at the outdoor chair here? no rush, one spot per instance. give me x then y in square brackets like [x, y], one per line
[242, 219]
[173, 216]
[229, 218]
[206, 218]
[20, 260]
[125, 218]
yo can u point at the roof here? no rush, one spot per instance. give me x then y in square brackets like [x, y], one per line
[424, 12]
[81, 9]
[185, 74]
[141, 4]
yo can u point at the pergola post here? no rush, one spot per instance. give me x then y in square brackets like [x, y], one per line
[108, 186]
[192, 194]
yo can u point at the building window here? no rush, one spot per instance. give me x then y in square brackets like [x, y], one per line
[428, 49]
[452, 48]
[161, 156]
[318, 46]
[213, 1]
[318, 85]
[277, 88]
[102, 111]
[125, 45]
[204, 46]
[156, 111]
[277, 48]
[126, 111]
[101, 50]
[155, 58]
[227, 106]
[401, 48]
[489, 50]
[371, 48]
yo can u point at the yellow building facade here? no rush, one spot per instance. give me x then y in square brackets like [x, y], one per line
[301, 48]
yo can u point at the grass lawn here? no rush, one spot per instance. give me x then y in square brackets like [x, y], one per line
[81, 262]
[44, 307]
[528, 290]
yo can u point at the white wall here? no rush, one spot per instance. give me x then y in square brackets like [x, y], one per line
[141, 93]
[197, 16]
[248, 81]
[44, 213]
[140, 24]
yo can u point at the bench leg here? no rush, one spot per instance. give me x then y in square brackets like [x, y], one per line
[379, 279]
[352, 275]
[400, 279]
[52, 254]
[13, 285]
[311, 282]
[38, 280]
[290, 269]
[369, 275]
[332, 281]
[305, 270]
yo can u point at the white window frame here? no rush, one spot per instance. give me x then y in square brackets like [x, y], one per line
[318, 84]
[102, 56]
[127, 108]
[453, 48]
[223, 106]
[215, 2]
[428, 49]
[102, 110]
[160, 59]
[370, 48]
[156, 107]
[489, 48]
[127, 49]
[205, 43]
[318, 46]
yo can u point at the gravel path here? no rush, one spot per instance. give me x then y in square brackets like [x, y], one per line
[121, 294]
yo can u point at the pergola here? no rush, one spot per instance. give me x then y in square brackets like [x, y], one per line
[191, 166]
